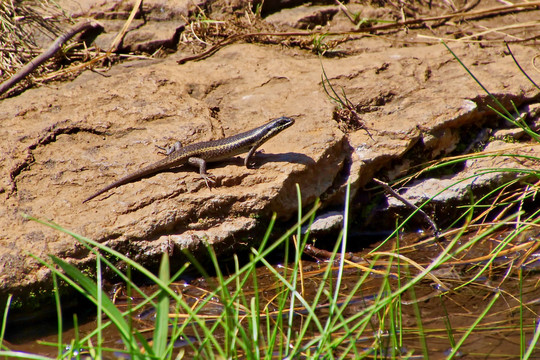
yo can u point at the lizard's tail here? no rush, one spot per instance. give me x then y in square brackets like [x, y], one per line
[148, 170]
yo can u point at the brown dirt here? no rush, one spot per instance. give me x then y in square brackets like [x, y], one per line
[64, 140]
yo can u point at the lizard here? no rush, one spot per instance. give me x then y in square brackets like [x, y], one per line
[199, 154]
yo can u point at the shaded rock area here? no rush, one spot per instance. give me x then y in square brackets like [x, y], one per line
[304, 17]
[413, 101]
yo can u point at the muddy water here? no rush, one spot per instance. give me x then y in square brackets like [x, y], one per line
[452, 298]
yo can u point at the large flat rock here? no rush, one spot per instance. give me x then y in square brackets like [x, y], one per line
[63, 141]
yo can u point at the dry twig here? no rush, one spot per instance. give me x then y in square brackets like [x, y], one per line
[85, 26]
[409, 204]
[369, 29]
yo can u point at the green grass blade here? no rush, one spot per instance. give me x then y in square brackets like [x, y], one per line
[473, 326]
[268, 232]
[521, 330]
[162, 311]
[520, 68]
[59, 321]
[4, 320]
[108, 307]
[22, 355]
[99, 304]
[495, 100]
[419, 322]
[447, 323]
[502, 111]
[294, 272]
[533, 344]
[333, 298]
[324, 78]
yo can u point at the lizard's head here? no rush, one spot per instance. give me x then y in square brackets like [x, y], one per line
[277, 125]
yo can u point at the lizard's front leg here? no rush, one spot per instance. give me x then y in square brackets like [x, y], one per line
[251, 154]
[167, 150]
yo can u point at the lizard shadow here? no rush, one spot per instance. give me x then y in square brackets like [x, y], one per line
[261, 158]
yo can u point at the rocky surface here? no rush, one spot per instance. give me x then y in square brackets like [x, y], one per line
[63, 141]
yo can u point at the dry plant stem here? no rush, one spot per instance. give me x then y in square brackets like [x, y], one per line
[326, 255]
[409, 204]
[469, 15]
[476, 260]
[300, 267]
[350, 259]
[57, 45]
[369, 268]
[73, 68]
[525, 256]
[85, 26]
[120, 37]
[215, 48]
[413, 263]
[345, 11]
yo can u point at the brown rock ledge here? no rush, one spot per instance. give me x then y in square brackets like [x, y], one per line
[63, 142]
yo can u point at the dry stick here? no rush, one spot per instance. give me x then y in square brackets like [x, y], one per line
[327, 255]
[344, 9]
[57, 45]
[409, 204]
[216, 47]
[473, 14]
[524, 258]
[113, 48]
[120, 37]
[84, 26]
[73, 68]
